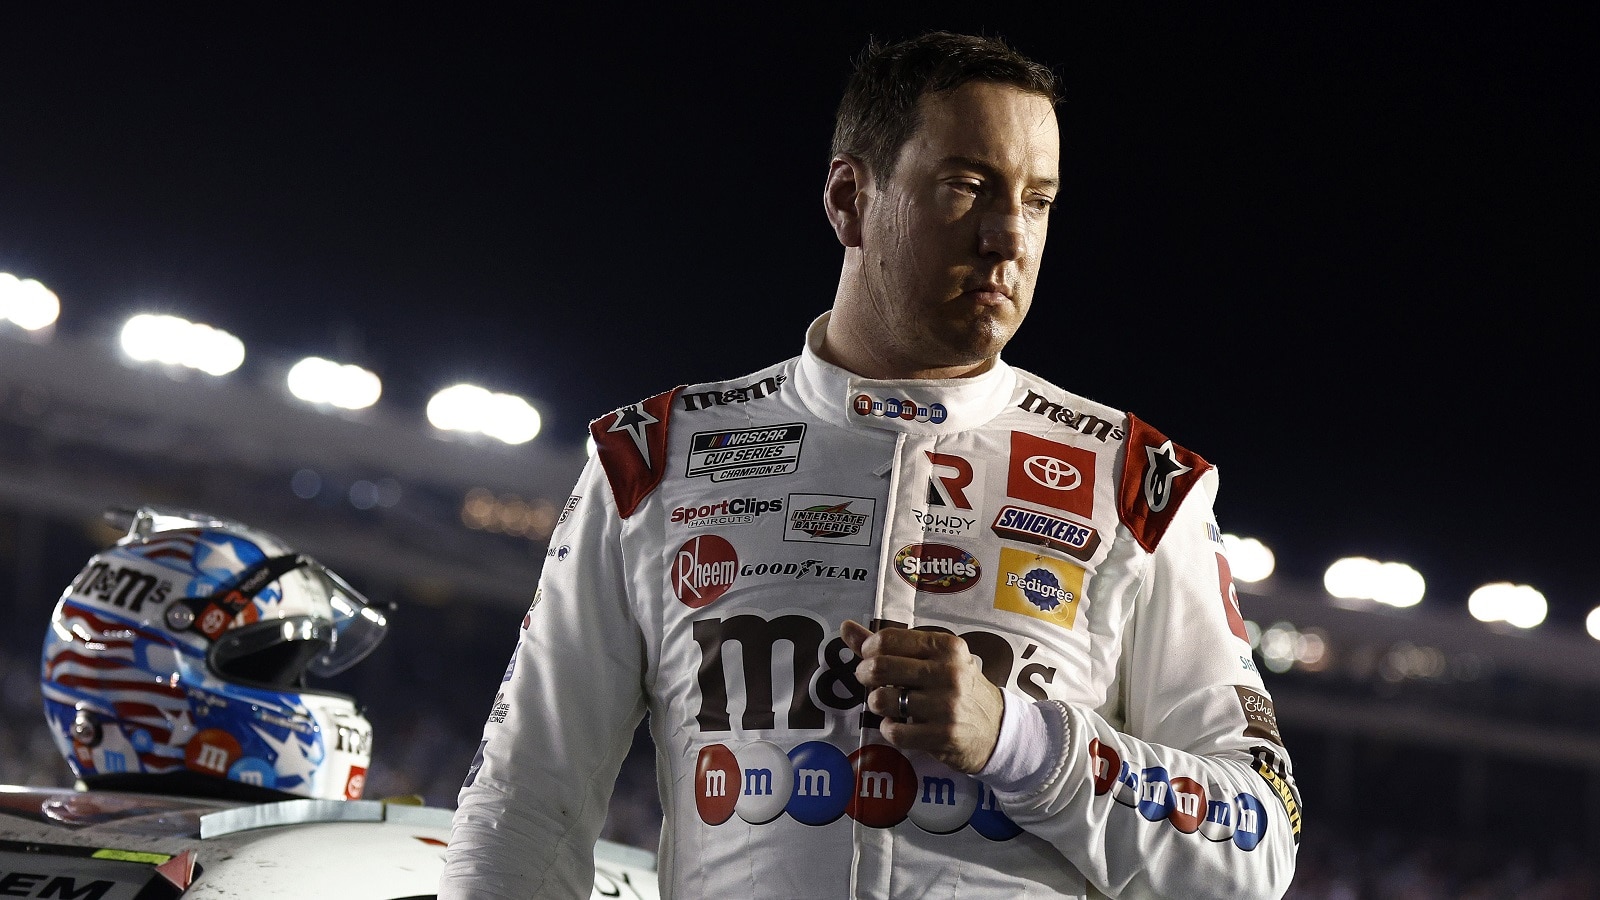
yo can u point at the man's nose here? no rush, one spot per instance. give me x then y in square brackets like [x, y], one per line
[1003, 236]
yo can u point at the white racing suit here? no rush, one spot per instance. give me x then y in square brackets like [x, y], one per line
[702, 568]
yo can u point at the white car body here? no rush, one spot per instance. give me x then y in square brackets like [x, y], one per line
[111, 845]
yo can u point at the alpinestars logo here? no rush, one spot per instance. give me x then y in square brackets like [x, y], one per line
[1164, 469]
[633, 419]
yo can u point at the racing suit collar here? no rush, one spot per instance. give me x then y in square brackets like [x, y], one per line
[909, 405]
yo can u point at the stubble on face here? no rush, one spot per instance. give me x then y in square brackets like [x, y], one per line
[959, 214]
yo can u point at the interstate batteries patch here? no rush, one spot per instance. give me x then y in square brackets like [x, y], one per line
[746, 452]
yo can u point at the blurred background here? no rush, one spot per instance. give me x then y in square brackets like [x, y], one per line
[360, 278]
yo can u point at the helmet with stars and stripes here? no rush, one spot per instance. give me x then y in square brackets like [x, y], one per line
[177, 662]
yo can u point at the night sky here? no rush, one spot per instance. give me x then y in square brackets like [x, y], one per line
[1346, 254]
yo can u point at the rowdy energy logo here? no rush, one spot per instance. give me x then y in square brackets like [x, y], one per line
[1051, 474]
[949, 479]
[746, 452]
[936, 568]
[824, 518]
[1039, 587]
[816, 784]
[703, 569]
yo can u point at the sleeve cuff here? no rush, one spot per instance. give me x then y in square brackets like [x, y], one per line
[1021, 755]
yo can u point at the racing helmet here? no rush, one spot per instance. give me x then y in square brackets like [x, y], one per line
[177, 662]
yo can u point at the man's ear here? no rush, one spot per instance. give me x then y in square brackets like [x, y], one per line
[844, 197]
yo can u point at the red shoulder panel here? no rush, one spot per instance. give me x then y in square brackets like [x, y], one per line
[1156, 475]
[632, 444]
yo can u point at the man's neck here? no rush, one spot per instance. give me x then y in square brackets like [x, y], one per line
[846, 347]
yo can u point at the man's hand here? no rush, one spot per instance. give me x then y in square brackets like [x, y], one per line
[954, 711]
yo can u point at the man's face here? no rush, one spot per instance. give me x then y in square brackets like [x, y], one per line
[951, 242]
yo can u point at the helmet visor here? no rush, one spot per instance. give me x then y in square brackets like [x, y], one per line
[358, 626]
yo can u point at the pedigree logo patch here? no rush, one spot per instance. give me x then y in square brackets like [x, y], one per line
[1039, 587]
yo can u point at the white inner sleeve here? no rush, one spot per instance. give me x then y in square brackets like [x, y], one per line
[1018, 763]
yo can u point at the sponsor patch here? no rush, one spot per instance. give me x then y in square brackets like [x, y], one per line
[1051, 474]
[806, 569]
[897, 408]
[702, 570]
[1156, 474]
[356, 784]
[1230, 599]
[122, 587]
[1164, 469]
[948, 481]
[1040, 587]
[1261, 718]
[1031, 526]
[746, 452]
[830, 519]
[1277, 776]
[936, 522]
[734, 511]
[755, 391]
[936, 568]
[567, 508]
[1083, 423]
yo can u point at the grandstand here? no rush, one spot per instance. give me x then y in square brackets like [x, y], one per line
[1438, 755]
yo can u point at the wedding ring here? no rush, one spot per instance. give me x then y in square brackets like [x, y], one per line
[903, 711]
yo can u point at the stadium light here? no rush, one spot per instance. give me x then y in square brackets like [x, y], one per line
[1248, 558]
[176, 341]
[1389, 583]
[467, 407]
[27, 303]
[317, 380]
[1514, 604]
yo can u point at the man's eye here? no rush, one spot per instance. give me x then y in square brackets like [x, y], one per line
[1042, 204]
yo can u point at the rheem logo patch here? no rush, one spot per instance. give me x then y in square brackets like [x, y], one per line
[703, 569]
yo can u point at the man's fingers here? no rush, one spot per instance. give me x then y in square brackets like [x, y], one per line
[854, 634]
[899, 641]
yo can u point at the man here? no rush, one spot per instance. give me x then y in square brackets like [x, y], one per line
[1053, 693]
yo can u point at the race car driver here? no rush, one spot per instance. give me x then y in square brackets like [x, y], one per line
[908, 621]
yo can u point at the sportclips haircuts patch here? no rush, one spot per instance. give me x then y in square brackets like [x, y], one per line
[746, 452]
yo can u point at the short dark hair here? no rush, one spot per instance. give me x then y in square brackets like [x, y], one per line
[879, 111]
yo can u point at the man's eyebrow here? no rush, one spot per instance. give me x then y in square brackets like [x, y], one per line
[1049, 184]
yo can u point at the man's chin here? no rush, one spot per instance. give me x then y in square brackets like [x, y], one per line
[979, 338]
